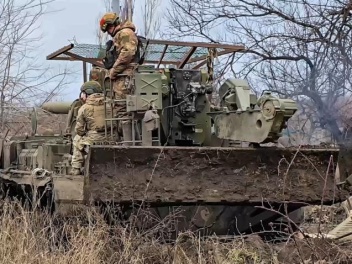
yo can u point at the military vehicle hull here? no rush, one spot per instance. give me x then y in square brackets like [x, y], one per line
[178, 161]
[211, 190]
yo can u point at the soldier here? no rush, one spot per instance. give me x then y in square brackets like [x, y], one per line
[126, 43]
[90, 123]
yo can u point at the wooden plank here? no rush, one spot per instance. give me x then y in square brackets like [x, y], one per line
[89, 60]
[59, 52]
[162, 55]
[186, 57]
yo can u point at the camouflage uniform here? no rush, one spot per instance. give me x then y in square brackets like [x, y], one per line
[90, 127]
[126, 46]
[126, 43]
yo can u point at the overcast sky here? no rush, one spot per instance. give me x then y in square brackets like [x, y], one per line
[75, 19]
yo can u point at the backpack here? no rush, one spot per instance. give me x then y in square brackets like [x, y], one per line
[111, 54]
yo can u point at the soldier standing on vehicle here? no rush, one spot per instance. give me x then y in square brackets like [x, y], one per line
[126, 44]
[90, 123]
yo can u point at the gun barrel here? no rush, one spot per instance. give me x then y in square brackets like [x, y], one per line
[57, 107]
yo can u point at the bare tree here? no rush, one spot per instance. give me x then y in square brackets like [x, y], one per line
[151, 18]
[126, 13]
[24, 81]
[101, 37]
[127, 10]
[299, 49]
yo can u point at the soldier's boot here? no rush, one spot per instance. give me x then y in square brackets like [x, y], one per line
[75, 171]
[127, 133]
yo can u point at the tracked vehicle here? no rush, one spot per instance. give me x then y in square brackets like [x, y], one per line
[207, 162]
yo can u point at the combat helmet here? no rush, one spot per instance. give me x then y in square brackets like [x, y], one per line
[109, 19]
[91, 87]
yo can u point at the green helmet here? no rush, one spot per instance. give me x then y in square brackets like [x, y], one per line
[91, 87]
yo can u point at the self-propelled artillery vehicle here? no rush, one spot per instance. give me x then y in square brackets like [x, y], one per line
[186, 153]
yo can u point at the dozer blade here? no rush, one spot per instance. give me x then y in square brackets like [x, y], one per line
[189, 175]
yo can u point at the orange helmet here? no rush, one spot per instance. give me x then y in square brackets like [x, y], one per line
[107, 20]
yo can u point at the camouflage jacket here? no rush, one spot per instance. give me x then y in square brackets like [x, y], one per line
[91, 116]
[126, 43]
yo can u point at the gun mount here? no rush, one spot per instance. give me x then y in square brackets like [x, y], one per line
[239, 110]
[183, 152]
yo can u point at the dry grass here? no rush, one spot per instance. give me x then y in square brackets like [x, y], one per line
[35, 237]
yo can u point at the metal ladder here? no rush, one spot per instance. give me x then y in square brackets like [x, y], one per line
[109, 99]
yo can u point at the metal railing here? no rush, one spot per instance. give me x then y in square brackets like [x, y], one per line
[112, 120]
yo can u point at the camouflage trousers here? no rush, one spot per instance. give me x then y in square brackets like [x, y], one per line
[79, 142]
[120, 87]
